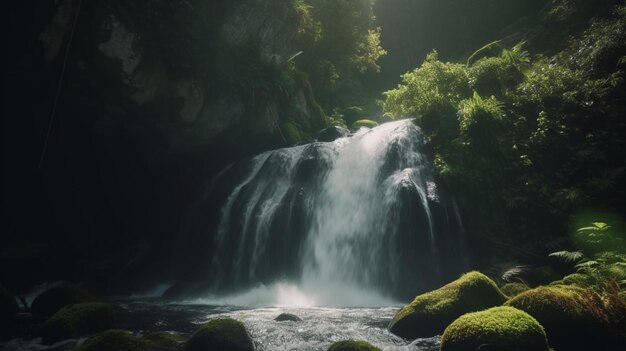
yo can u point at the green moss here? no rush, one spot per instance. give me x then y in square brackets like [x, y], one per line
[581, 280]
[50, 301]
[498, 328]
[430, 313]
[118, 340]
[121, 340]
[574, 318]
[513, 289]
[81, 319]
[221, 334]
[164, 340]
[364, 123]
[351, 345]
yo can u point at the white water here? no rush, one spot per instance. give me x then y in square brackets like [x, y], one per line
[327, 222]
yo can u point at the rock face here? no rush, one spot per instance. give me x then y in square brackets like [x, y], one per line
[50, 301]
[287, 317]
[351, 345]
[81, 319]
[194, 91]
[221, 334]
[574, 318]
[430, 313]
[498, 328]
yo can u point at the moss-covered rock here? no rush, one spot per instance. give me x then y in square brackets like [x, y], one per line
[81, 319]
[364, 123]
[121, 340]
[495, 329]
[50, 301]
[118, 340]
[581, 280]
[573, 317]
[513, 289]
[220, 334]
[351, 345]
[430, 313]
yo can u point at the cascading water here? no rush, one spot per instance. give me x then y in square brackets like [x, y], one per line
[357, 221]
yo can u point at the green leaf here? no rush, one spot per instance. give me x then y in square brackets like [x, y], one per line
[568, 256]
[601, 225]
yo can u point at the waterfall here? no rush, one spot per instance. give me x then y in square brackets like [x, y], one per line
[362, 213]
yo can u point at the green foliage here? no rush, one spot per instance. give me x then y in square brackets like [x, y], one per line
[428, 87]
[431, 312]
[479, 119]
[605, 271]
[540, 136]
[351, 345]
[492, 49]
[568, 256]
[348, 46]
[498, 328]
[221, 334]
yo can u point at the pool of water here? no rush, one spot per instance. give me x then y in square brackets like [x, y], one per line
[319, 328]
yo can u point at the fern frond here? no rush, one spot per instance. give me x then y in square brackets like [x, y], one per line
[568, 256]
[587, 264]
[513, 273]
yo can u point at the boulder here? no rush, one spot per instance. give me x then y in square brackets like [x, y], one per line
[351, 345]
[50, 301]
[81, 319]
[574, 318]
[513, 289]
[495, 329]
[579, 279]
[121, 340]
[221, 334]
[430, 313]
[332, 133]
[368, 123]
[287, 317]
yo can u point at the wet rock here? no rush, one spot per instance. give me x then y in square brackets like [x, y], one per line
[332, 133]
[221, 334]
[50, 301]
[121, 340]
[287, 317]
[351, 345]
[498, 328]
[430, 313]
